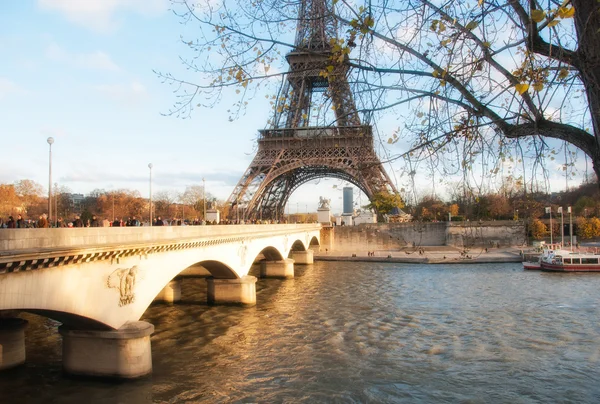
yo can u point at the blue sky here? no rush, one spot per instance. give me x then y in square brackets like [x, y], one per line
[81, 71]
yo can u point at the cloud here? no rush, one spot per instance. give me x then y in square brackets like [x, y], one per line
[95, 60]
[100, 15]
[8, 88]
[130, 92]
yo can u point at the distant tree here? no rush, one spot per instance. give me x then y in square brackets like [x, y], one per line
[586, 205]
[595, 226]
[31, 193]
[163, 202]
[453, 209]
[385, 202]
[195, 196]
[584, 229]
[538, 229]
[10, 203]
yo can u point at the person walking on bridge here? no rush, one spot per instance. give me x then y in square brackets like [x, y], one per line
[43, 222]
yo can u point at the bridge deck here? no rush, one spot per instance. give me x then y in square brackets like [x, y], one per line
[31, 248]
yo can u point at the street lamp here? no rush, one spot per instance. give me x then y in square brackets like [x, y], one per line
[204, 198]
[150, 167]
[50, 140]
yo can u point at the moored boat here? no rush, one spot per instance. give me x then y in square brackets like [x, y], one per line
[567, 261]
[533, 260]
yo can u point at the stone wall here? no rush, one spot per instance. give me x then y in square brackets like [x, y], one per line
[388, 236]
[395, 236]
[502, 233]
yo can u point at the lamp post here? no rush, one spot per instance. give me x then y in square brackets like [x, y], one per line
[204, 197]
[50, 140]
[150, 167]
[56, 203]
[562, 228]
[570, 226]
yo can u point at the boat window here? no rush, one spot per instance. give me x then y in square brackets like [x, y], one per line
[589, 260]
[567, 260]
[576, 261]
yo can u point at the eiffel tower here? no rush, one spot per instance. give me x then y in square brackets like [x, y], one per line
[292, 152]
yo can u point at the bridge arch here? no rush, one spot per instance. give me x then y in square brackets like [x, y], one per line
[115, 277]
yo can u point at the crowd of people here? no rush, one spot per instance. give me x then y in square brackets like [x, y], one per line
[44, 222]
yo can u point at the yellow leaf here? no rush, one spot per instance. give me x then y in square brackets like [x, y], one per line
[538, 15]
[539, 86]
[487, 44]
[563, 73]
[390, 141]
[553, 23]
[304, 116]
[566, 12]
[472, 25]
[481, 2]
[435, 73]
[522, 87]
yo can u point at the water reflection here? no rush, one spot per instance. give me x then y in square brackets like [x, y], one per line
[356, 332]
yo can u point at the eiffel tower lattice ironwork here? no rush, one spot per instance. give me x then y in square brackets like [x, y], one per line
[292, 152]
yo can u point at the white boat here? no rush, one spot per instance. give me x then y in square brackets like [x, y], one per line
[571, 261]
[533, 261]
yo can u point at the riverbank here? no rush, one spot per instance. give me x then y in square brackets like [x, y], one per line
[427, 255]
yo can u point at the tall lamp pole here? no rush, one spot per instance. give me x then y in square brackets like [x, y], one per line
[50, 140]
[150, 167]
[204, 198]
[570, 226]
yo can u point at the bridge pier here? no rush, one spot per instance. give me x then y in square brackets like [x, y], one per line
[232, 291]
[170, 293]
[277, 269]
[124, 353]
[12, 342]
[303, 257]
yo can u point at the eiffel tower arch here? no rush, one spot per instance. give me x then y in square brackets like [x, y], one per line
[292, 152]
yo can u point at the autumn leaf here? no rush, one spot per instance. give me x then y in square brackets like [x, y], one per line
[539, 86]
[563, 73]
[522, 87]
[472, 25]
[553, 23]
[566, 12]
[538, 15]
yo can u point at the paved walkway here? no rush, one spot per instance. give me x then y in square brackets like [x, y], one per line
[428, 255]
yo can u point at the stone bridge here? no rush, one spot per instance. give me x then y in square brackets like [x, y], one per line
[98, 282]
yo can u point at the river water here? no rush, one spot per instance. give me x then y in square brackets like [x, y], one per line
[344, 332]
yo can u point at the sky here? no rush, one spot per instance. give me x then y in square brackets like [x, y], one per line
[81, 71]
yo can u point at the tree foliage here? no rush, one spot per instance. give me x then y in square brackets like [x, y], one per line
[478, 86]
[538, 229]
[385, 202]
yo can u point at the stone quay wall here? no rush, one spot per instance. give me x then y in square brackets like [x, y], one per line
[395, 236]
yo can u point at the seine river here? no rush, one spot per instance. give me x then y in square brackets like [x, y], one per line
[356, 333]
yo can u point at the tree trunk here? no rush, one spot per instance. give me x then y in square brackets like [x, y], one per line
[587, 24]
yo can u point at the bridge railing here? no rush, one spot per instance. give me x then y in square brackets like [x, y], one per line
[17, 241]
